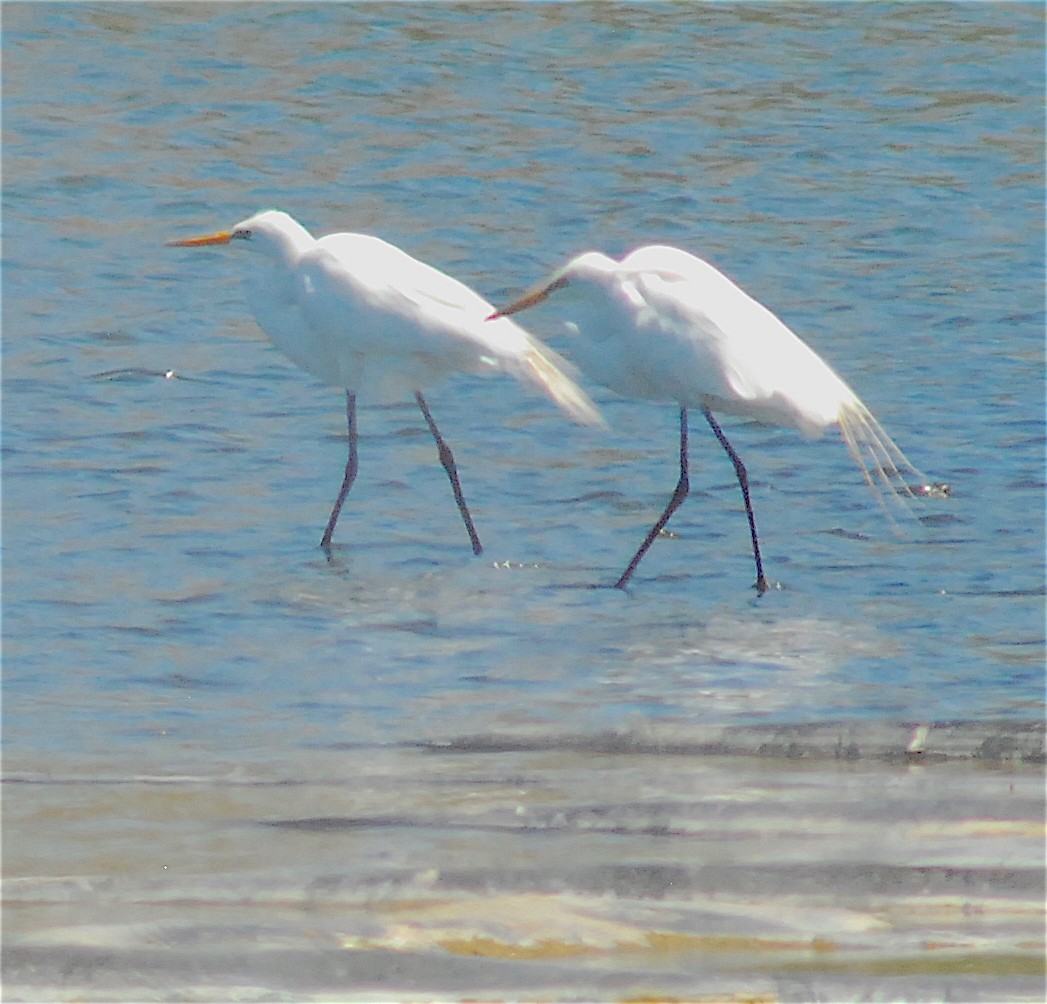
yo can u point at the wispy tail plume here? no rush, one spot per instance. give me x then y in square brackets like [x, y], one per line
[887, 471]
[546, 370]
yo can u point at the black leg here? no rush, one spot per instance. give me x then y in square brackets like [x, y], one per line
[350, 471]
[447, 459]
[743, 480]
[683, 486]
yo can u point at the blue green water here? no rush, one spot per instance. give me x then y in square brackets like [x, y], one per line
[873, 173]
[160, 535]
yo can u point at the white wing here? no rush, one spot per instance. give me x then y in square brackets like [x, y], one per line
[725, 349]
[759, 365]
[395, 325]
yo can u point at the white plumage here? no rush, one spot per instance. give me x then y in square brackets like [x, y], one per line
[664, 325]
[359, 313]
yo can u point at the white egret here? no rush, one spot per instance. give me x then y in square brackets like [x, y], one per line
[363, 315]
[664, 325]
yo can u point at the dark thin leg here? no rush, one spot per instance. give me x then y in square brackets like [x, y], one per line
[743, 480]
[683, 486]
[447, 459]
[350, 471]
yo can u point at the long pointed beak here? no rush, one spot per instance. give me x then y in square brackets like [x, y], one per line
[222, 237]
[530, 299]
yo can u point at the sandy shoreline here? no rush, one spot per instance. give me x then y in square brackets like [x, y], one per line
[824, 862]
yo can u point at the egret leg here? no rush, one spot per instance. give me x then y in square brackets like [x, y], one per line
[743, 480]
[350, 471]
[447, 459]
[683, 486]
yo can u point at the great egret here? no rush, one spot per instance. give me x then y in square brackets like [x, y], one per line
[664, 325]
[363, 315]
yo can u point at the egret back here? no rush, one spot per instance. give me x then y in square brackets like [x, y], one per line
[752, 364]
[725, 350]
[359, 313]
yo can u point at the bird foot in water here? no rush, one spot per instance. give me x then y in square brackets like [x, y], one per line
[939, 490]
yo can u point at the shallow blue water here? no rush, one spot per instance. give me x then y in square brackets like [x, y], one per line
[488, 749]
[873, 174]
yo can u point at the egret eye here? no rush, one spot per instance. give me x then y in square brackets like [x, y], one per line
[242, 234]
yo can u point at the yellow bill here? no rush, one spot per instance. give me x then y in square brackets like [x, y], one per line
[530, 299]
[222, 237]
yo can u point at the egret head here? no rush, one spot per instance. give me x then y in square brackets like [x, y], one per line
[271, 231]
[589, 268]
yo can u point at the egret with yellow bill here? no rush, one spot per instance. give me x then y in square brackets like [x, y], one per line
[664, 325]
[360, 314]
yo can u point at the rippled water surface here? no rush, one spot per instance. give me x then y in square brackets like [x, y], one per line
[873, 173]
